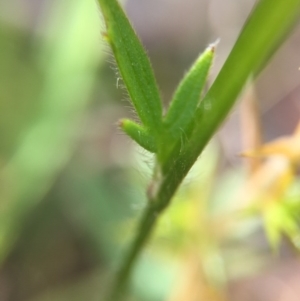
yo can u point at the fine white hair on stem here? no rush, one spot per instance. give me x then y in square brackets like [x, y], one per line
[110, 58]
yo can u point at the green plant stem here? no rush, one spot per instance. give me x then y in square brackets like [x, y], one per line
[266, 28]
[146, 226]
[154, 210]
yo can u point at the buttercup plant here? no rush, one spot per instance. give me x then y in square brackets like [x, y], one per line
[178, 137]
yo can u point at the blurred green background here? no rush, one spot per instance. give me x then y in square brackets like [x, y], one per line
[72, 186]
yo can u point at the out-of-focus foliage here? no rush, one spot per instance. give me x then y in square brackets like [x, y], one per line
[46, 82]
[273, 189]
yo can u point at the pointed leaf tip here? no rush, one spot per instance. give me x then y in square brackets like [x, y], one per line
[213, 45]
[187, 96]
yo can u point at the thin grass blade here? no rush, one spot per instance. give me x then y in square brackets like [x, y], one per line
[266, 28]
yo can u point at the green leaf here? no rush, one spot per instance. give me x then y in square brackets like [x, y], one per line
[187, 96]
[134, 65]
[266, 28]
[139, 134]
